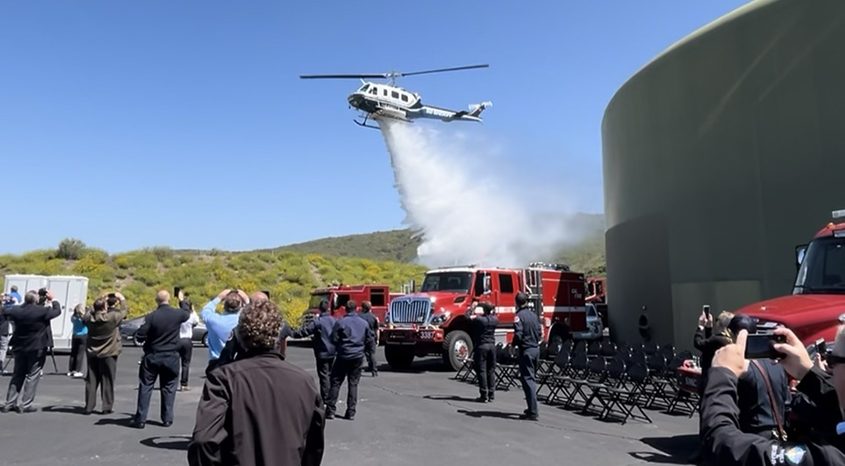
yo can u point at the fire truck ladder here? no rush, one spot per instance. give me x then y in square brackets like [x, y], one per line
[533, 279]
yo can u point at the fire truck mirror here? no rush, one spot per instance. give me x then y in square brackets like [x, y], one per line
[800, 253]
[487, 284]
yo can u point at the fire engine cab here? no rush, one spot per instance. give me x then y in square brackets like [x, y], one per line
[436, 320]
[338, 296]
[818, 297]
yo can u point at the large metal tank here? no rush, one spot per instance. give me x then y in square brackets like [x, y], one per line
[720, 156]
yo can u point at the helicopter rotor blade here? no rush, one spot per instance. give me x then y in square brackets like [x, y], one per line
[442, 70]
[341, 76]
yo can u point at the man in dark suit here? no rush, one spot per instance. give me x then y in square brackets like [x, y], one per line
[320, 330]
[351, 336]
[372, 321]
[160, 333]
[30, 339]
[258, 409]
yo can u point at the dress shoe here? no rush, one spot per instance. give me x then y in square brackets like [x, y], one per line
[481, 399]
[137, 424]
[184, 388]
[329, 415]
[107, 411]
[167, 424]
[529, 417]
[349, 416]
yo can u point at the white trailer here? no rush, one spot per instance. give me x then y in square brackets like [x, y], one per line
[67, 290]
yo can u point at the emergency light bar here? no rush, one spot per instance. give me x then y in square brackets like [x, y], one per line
[837, 214]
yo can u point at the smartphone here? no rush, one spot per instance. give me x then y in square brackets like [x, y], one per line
[821, 347]
[266, 292]
[112, 295]
[176, 291]
[762, 346]
[706, 310]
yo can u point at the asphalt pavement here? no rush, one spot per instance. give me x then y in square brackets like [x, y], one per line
[415, 417]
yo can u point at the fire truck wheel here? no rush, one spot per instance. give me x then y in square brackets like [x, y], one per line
[457, 347]
[398, 358]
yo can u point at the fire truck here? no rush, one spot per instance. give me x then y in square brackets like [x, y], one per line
[817, 301]
[436, 320]
[338, 296]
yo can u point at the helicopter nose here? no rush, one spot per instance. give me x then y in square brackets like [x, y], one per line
[355, 100]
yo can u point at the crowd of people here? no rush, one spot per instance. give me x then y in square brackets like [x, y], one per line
[783, 411]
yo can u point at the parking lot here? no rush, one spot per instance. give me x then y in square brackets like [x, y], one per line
[403, 418]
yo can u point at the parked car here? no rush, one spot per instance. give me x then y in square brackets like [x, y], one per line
[595, 328]
[130, 327]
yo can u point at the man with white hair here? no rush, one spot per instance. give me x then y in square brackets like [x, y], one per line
[726, 445]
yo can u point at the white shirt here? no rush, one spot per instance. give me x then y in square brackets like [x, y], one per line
[186, 330]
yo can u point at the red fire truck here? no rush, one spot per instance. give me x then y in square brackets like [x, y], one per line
[817, 301]
[436, 320]
[338, 296]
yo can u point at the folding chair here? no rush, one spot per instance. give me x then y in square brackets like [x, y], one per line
[467, 369]
[597, 383]
[559, 369]
[573, 385]
[609, 350]
[659, 381]
[574, 370]
[628, 395]
[594, 349]
[507, 369]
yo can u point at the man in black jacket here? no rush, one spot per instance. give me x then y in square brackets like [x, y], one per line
[370, 353]
[258, 409]
[320, 329]
[527, 336]
[351, 336]
[484, 339]
[160, 333]
[726, 445]
[30, 340]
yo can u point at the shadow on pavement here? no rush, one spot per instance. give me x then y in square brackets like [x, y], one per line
[177, 442]
[673, 450]
[449, 398]
[123, 422]
[64, 409]
[495, 414]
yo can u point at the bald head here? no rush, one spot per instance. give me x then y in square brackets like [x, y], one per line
[839, 343]
[162, 297]
[258, 297]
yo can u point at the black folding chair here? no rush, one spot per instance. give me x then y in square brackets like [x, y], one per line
[507, 367]
[596, 383]
[558, 368]
[630, 394]
[575, 369]
[467, 369]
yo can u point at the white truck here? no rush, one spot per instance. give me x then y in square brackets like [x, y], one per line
[67, 290]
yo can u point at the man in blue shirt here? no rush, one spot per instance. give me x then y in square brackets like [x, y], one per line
[351, 337]
[220, 326]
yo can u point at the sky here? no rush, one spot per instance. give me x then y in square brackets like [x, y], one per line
[131, 124]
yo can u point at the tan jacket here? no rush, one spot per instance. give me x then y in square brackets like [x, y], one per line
[104, 332]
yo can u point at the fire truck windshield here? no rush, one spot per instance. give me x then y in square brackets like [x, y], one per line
[823, 267]
[315, 300]
[447, 281]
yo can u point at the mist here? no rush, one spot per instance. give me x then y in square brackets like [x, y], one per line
[466, 206]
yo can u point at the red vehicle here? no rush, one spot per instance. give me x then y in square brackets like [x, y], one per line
[338, 296]
[436, 321]
[818, 298]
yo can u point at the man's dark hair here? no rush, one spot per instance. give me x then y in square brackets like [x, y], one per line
[232, 302]
[112, 301]
[324, 305]
[14, 288]
[742, 322]
[486, 307]
[30, 297]
[366, 306]
[521, 299]
[351, 305]
[99, 304]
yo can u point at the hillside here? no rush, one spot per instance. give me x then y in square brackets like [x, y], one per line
[395, 245]
[289, 276]
[586, 255]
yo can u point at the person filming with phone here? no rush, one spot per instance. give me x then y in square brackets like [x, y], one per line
[725, 444]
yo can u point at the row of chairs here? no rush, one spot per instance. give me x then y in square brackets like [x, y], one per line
[620, 382]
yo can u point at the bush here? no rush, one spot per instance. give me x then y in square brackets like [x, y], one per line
[70, 249]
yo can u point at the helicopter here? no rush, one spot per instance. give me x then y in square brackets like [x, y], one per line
[379, 101]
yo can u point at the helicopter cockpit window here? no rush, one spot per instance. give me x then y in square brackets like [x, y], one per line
[374, 91]
[364, 88]
[394, 94]
[404, 97]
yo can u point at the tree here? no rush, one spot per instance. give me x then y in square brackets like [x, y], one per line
[70, 249]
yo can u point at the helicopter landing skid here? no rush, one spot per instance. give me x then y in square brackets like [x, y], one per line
[364, 123]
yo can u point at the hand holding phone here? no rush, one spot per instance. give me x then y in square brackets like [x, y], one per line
[762, 346]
